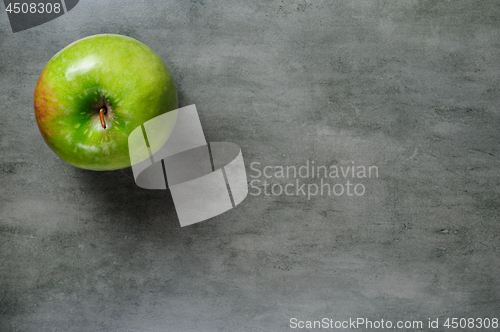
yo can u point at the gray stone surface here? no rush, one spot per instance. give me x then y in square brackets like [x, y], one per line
[409, 86]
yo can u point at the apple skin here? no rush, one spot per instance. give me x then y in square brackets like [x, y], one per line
[114, 72]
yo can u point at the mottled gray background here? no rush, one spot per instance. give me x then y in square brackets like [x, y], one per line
[409, 86]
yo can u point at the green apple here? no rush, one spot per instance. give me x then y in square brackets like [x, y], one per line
[94, 92]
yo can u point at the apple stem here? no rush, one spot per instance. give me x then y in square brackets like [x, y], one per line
[101, 117]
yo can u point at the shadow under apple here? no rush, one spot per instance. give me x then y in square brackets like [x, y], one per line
[119, 201]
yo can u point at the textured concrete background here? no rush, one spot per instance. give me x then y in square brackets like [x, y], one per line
[409, 86]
